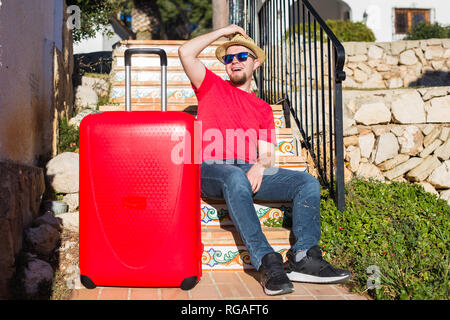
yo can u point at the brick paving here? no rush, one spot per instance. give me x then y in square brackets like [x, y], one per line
[220, 285]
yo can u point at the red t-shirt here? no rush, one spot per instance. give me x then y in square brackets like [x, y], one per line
[232, 120]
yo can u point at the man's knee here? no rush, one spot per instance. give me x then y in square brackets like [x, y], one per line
[313, 184]
[308, 186]
[237, 181]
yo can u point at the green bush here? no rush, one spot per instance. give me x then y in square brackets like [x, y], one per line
[344, 31]
[428, 31]
[399, 228]
[351, 31]
[68, 140]
[94, 16]
[299, 28]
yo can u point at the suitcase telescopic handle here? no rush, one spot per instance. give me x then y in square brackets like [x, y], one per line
[163, 59]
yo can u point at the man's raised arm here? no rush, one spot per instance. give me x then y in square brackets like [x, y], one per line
[189, 52]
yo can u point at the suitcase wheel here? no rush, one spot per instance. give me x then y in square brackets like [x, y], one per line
[87, 282]
[189, 283]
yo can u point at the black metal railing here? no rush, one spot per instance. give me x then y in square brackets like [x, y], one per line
[304, 71]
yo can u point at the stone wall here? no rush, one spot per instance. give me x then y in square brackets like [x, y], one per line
[21, 190]
[368, 65]
[397, 64]
[399, 135]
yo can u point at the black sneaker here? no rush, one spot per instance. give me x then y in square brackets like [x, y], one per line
[273, 277]
[314, 269]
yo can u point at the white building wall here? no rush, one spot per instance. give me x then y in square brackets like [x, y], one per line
[380, 14]
[100, 42]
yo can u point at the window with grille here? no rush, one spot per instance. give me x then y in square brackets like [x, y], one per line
[405, 19]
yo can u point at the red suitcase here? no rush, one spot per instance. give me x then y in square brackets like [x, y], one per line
[139, 209]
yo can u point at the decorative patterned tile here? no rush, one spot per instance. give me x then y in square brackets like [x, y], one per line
[117, 93]
[156, 76]
[285, 146]
[170, 49]
[217, 214]
[173, 49]
[152, 92]
[143, 61]
[232, 257]
[279, 120]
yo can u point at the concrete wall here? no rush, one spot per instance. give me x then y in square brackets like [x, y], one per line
[36, 63]
[29, 31]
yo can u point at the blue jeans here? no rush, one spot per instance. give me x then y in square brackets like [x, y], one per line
[228, 180]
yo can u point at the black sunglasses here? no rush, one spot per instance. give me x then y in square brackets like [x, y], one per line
[241, 56]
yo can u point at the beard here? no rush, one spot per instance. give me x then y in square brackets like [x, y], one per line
[239, 80]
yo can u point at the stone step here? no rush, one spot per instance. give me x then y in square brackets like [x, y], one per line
[171, 52]
[278, 118]
[157, 69]
[149, 95]
[276, 108]
[158, 43]
[170, 46]
[175, 74]
[151, 63]
[284, 131]
[223, 247]
[189, 108]
[225, 251]
[230, 235]
[145, 60]
[153, 78]
[278, 114]
[154, 81]
[146, 73]
[233, 257]
[287, 144]
[142, 94]
[292, 163]
[214, 212]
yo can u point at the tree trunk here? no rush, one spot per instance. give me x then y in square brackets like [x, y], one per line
[220, 14]
[143, 19]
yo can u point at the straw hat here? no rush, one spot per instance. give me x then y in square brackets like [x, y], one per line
[240, 40]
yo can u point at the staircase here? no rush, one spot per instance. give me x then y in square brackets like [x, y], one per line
[223, 247]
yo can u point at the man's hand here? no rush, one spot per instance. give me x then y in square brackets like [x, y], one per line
[255, 176]
[265, 160]
[232, 29]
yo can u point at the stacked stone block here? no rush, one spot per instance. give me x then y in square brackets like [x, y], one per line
[397, 64]
[399, 135]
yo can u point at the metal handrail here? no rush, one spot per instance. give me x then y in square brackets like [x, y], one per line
[294, 78]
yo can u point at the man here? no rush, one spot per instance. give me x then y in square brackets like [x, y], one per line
[241, 176]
